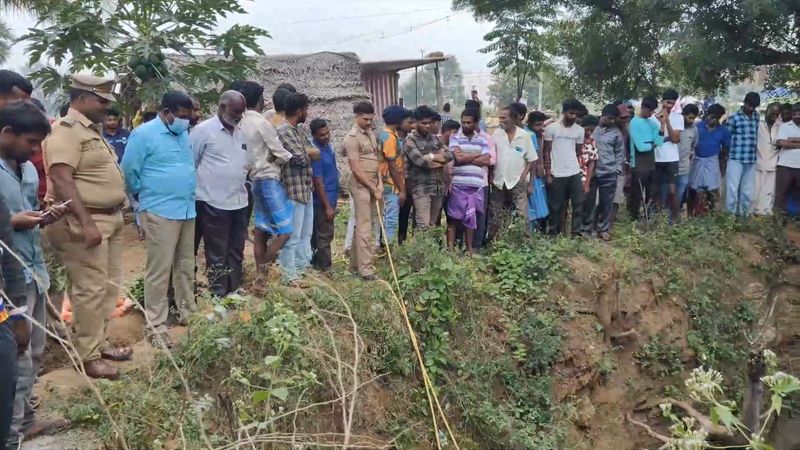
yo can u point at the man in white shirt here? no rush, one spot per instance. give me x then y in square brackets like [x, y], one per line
[515, 157]
[787, 178]
[273, 210]
[221, 159]
[767, 160]
[563, 146]
[668, 154]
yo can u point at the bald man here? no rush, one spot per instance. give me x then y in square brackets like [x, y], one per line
[220, 155]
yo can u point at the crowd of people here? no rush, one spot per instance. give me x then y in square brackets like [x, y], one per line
[66, 183]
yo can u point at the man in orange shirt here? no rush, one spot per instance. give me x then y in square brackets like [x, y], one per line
[392, 170]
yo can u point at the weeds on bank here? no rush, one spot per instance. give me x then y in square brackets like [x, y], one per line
[489, 328]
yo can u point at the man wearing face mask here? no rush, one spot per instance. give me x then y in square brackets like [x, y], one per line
[220, 156]
[83, 170]
[159, 169]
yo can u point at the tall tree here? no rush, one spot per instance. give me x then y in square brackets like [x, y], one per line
[517, 45]
[423, 86]
[6, 36]
[624, 48]
[503, 90]
[155, 44]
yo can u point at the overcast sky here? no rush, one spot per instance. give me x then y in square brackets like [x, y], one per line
[392, 30]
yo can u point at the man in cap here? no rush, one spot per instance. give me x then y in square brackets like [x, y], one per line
[83, 170]
[366, 187]
[392, 169]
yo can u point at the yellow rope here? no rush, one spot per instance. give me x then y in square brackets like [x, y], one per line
[429, 389]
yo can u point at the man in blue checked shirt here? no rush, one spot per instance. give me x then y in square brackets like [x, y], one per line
[740, 176]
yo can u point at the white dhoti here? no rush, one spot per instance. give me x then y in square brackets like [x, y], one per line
[764, 199]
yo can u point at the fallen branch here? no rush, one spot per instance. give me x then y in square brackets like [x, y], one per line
[652, 433]
[715, 432]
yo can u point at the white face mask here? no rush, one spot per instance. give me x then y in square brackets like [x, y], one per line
[178, 126]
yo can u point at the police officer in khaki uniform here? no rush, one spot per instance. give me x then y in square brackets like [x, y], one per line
[83, 169]
[366, 187]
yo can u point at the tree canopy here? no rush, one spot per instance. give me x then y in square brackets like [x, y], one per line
[155, 44]
[624, 48]
[452, 85]
[503, 90]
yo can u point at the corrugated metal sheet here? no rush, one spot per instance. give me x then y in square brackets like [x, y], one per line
[383, 88]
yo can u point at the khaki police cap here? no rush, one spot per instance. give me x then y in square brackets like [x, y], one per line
[101, 87]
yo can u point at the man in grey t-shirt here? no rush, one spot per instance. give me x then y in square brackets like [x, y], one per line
[686, 148]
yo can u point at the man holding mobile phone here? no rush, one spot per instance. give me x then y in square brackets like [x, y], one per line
[22, 129]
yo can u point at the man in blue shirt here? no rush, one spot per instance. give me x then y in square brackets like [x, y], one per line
[325, 178]
[705, 176]
[114, 134]
[24, 128]
[740, 185]
[159, 170]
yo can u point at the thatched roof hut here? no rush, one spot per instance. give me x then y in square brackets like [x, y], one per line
[332, 81]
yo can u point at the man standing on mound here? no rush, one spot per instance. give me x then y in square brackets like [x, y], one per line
[83, 170]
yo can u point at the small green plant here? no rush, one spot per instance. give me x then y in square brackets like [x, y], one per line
[659, 358]
[705, 388]
[136, 290]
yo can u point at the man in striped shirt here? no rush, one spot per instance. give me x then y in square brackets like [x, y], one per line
[471, 154]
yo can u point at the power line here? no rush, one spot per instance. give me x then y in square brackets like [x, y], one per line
[366, 16]
[380, 34]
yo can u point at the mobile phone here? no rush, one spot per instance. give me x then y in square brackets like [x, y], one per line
[46, 213]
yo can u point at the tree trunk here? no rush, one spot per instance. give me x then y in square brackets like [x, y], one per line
[439, 95]
[754, 396]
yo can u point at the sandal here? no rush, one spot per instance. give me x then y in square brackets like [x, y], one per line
[117, 353]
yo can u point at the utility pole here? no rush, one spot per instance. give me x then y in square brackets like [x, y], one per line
[439, 95]
[541, 95]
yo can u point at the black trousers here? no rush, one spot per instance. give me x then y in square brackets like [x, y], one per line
[643, 189]
[321, 238]
[405, 216]
[561, 191]
[223, 234]
[607, 186]
[787, 181]
[8, 379]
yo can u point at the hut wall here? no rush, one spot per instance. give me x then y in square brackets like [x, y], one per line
[333, 83]
[383, 87]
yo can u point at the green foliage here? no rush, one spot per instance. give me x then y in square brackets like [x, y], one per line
[717, 334]
[431, 286]
[705, 387]
[503, 90]
[491, 328]
[135, 290]
[659, 358]
[155, 41]
[617, 50]
[524, 270]
[518, 45]
[149, 413]
[697, 264]
[423, 86]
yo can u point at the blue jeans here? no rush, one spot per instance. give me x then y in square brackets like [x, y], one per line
[28, 365]
[391, 215]
[8, 379]
[740, 187]
[296, 255]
